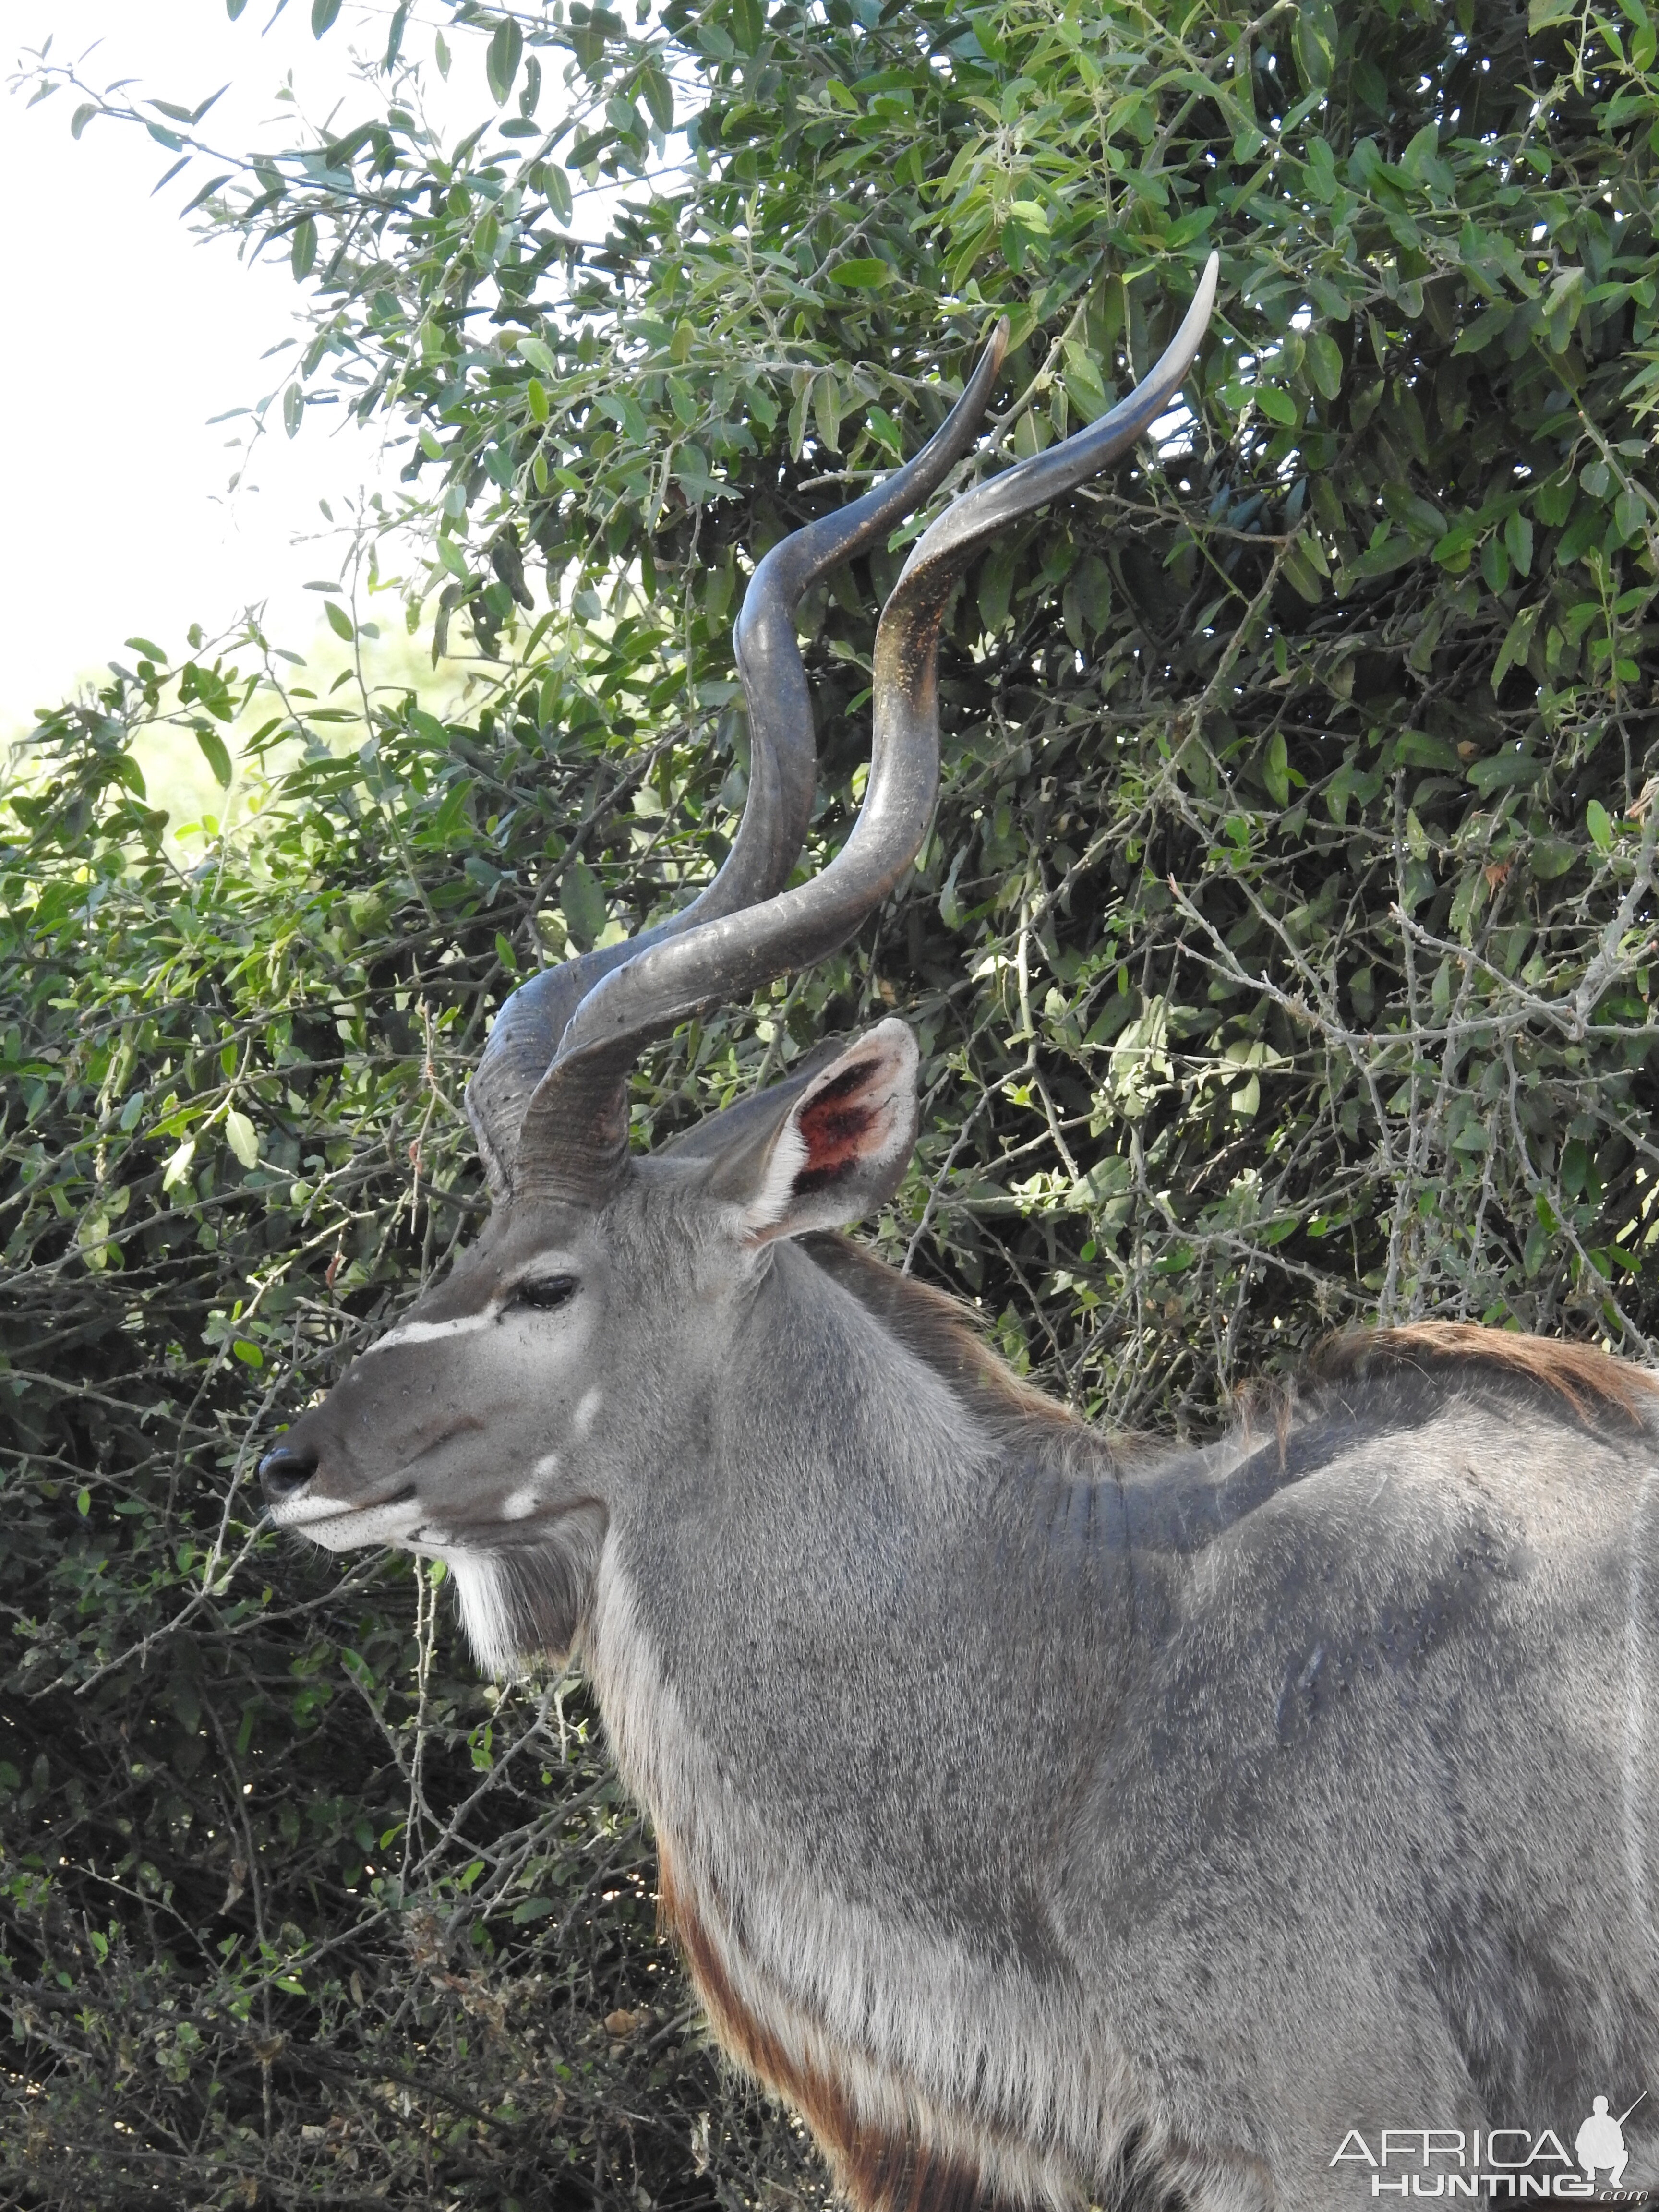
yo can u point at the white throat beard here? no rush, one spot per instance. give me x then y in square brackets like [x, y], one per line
[486, 1615]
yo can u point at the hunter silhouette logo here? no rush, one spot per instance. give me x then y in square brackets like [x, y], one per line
[1601, 2142]
[1501, 2165]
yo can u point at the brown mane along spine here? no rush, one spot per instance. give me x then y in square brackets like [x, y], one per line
[1591, 1381]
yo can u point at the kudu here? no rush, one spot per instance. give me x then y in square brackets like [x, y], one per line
[1056, 1823]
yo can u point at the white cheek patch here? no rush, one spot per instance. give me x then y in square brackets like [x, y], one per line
[586, 1413]
[431, 1332]
[546, 1467]
[518, 1505]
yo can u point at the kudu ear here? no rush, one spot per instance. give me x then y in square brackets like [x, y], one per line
[839, 1147]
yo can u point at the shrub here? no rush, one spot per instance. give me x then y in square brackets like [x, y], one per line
[1281, 954]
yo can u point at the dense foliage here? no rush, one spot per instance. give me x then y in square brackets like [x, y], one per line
[1281, 954]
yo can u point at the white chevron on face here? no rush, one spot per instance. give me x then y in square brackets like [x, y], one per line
[433, 1332]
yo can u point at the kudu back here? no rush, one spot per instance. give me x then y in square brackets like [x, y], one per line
[1052, 1824]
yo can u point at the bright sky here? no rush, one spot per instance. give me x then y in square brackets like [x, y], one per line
[127, 336]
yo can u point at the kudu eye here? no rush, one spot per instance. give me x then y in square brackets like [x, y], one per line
[546, 1294]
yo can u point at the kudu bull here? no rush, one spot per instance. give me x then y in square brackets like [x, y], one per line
[1054, 1823]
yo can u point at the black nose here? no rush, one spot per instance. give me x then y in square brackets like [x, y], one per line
[286, 1469]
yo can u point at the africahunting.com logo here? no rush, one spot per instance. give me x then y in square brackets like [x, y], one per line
[1496, 2165]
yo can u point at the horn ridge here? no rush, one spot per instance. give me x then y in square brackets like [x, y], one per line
[783, 776]
[730, 956]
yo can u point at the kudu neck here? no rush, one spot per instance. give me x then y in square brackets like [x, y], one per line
[849, 1558]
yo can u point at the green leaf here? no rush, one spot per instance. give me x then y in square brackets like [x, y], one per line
[1517, 541]
[1518, 643]
[323, 13]
[1598, 823]
[1419, 161]
[1508, 770]
[826, 409]
[339, 621]
[1587, 529]
[208, 686]
[581, 902]
[303, 251]
[1278, 406]
[659, 96]
[535, 394]
[1313, 37]
[1418, 749]
[1324, 359]
[178, 1166]
[242, 1138]
[447, 822]
[1275, 769]
[996, 584]
[884, 430]
[860, 273]
[557, 185]
[1552, 857]
[1486, 326]
[538, 355]
[501, 59]
[293, 409]
[213, 751]
[1084, 387]
[1303, 575]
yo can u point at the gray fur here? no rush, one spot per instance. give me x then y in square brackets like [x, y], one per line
[1126, 1828]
